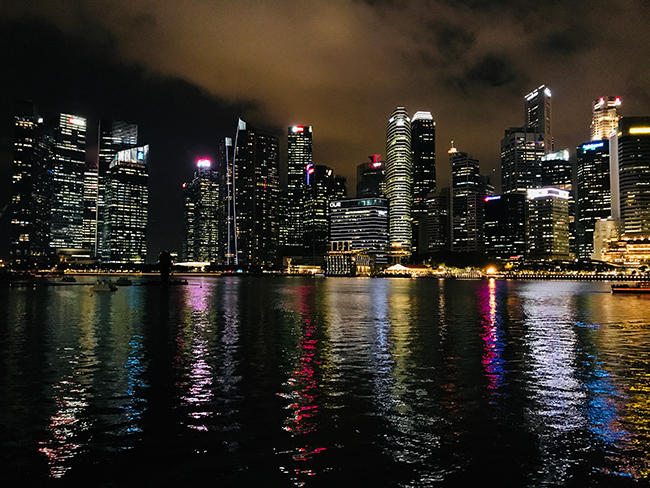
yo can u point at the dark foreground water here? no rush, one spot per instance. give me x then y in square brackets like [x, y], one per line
[335, 382]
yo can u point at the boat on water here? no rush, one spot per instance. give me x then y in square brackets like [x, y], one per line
[123, 281]
[68, 279]
[104, 285]
[638, 287]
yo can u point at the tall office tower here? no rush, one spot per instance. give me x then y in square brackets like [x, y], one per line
[321, 188]
[605, 117]
[538, 116]
[68, 167]
[594, 196]
[557, 172]
[505, 226]
[423, 145]
[127, 204]
[523, 147]
[203, 219]
[256, 196]
[30, 199]
[363, 222]
[467, 194]
[547, 229]
[399, 179]
[633, 156]
[300, 155]
[114, 136]
[438, 221]
[370, 177]
[521, 165]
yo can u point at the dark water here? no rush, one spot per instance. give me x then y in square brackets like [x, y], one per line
[336, 382]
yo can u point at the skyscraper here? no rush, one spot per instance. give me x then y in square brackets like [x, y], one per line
[523, 147]
[299, 150]
[557, 172]
[114, 136]
[505, 225]
[370, 177]
[68, 168]
[604, 117]
[547, 229]
[633, 144]
[321, 188]
[399, 179]
[30, 200]
[467, 194]
[538, 116]
[363, 222]
[438, 221]
[203, 219]
[423, 145]
[127, 204]
[256, 178]
[593, 193]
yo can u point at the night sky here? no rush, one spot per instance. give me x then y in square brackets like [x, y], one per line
[184, 71]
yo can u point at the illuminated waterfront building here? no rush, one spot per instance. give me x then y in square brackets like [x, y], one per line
[300, 155]
[467, 194]
[538, 116]
[114, 136]
[605, 117]
[438, 221]
[203, 220]
[371, 177]
[363, 222]
[256, 192]
[321, 188]
[633, 159]
[593, 194]
[557, 172]
[523, 147]
[505, 226]
[30, 198]
[547, 224]
[423, 146]
[399, 180]
[127, 203]
[68, 168]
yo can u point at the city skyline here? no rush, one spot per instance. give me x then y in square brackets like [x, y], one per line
[451, 63]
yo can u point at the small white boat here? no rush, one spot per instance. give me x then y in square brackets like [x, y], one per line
[104, 285]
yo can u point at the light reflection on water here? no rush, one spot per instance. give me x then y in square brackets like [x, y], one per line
[304, 382]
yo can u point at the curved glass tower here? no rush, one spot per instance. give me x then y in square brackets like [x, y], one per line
[399, 178]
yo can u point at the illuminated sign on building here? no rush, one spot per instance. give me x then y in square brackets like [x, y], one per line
[310, 171]
[204, 163]
[297, 128]
[592, 146]
[489, 198]
[640, 130]
[140, 156]
[77, 121]
[548, 192]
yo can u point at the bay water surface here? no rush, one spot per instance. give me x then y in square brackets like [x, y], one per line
[255, 381]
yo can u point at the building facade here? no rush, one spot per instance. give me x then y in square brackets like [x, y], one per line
[300, 155]
[505, 226]
[114, 136]
[31, 188]
[256, 191]
[633, 156]
[604, 117]
[593, 193]
[439, 221]
[68, 170]
[399, 180]
[363, 222]
[423, 146]
[127, 206]
[467, 198]
[203, 215]
[547, 224]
